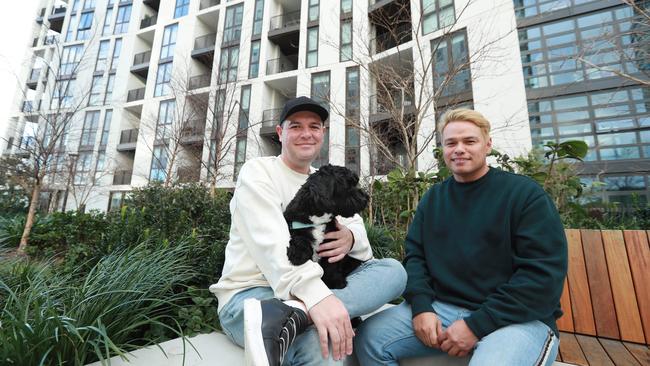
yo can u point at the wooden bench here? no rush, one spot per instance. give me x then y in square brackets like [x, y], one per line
[606, 299]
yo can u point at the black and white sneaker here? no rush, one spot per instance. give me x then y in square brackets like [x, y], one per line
[270, 327]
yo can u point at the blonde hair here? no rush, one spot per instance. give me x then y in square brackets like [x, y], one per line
[466, 115]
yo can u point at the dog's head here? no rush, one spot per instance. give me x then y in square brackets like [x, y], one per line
[333, 189]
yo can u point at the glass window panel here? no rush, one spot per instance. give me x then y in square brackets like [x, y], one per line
[595, 19]
[571, 103]
[558, 40]
[609, 98]
[620, 153]
[572, 116]
[558, 27]
[612, 111]
[574, 129]
[617, 139]
[624, 183]
[614, 125]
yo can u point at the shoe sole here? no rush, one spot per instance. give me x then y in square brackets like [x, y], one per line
[253, 341]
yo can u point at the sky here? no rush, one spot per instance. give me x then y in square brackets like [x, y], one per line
[15, 35]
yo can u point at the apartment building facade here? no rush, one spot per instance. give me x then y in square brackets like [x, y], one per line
[124, 92]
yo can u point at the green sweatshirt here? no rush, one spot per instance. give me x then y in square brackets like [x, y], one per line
[495, 246]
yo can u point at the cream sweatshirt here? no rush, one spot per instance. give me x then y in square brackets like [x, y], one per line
[256, 254]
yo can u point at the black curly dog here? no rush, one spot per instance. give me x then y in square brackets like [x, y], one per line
[329, 192]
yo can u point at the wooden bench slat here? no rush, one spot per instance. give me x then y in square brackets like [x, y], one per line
[640, 352]
[565, 322]
[618, 353]
[604, 311]
[638, 252]
[580, 297]
[627, 309]
[570, 350]
[594, 351]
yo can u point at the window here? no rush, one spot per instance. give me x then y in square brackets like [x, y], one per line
[117, 49]
[108, 20]
[163, 79]
[166, 112]
[102, 56]
[89, 132]
[108, 116]
[352, 138]
[83, 166]
[75, 5]
[228, 64]
[110, 82]
[345, 51]
[313, 10]
[62, 94]
[89, 4]
[169, 41]
[71, 25]
[346, 6]
[70, 58]
[437, 14]
[158, 164]
[242, 131]
[95, 97]
[529, 8]
[258, 17]
[100, 164]
[123, 18]
[254, 64]
[320, 92]
[85, 23]
[232, 26]
[451, 60]
[182, 8]
[116, 200]
[312, 47]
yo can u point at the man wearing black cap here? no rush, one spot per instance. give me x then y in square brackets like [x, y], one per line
[265, 302]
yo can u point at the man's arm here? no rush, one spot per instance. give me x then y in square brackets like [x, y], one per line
[540, 263]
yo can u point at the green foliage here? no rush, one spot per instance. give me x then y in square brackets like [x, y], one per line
[11, 229]
[385, 243]
[54, 318]
[201, 315]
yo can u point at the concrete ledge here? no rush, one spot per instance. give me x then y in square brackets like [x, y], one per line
[215, 349]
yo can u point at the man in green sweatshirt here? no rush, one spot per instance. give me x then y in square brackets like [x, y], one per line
[486, 259]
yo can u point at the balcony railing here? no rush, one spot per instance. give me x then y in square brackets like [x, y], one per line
[388, 104]
[121, 177]
[206, 41]
[285, 20]
[199, 81]
[33, 75]
[193, 128]
[391, 38]
[148, 21]
[30, 106]
[271, 117]
[59, 10]
[135, 94]
[281, 64]
[51, 39]
[188, 174]
[35, 42]
[142, 58]
[208, 4]
[129, 136]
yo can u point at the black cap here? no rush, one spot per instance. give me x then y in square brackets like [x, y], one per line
[303, 104]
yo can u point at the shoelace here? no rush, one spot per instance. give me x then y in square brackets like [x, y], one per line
[290, 336]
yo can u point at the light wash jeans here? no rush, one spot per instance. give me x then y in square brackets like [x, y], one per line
[370, 286]
[388, 336]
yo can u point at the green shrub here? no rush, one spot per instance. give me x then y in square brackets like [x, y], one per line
[54, 318]
[384, 243]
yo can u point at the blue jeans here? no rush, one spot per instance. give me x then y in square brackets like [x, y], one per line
[370, 286]
[388, 336]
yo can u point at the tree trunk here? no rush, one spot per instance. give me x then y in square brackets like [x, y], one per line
[29, 222]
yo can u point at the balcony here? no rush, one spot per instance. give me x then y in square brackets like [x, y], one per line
[285, 28]
[208, 4]
[203, 50]
[153, 4]
[188, 174]
[199, 81]
[270, 118]
[32, 82]
[141, 64]
[383, 107]
[193, 131]
[128, 140]
[122, 177]
[39, 17]
[30, 106]
[282, 64]
[148, 21]
[56, 18]
[50, 40]
[135, 94]
[391, 38]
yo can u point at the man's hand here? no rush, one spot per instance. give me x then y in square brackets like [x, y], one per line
[332, 321]
[458, 340]
[339, 246]
[428, 329]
